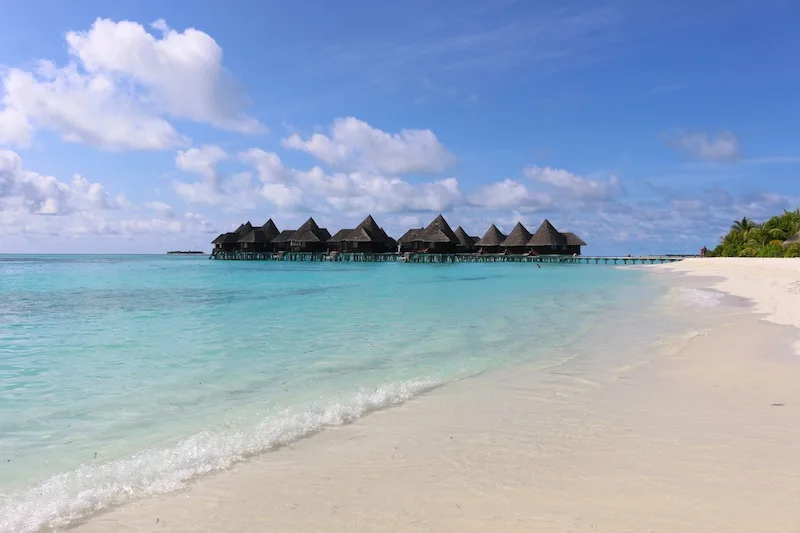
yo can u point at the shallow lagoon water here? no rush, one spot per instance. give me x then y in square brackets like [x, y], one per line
[127, 375]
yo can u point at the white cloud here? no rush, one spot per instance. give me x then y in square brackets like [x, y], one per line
[46, 195]
[120, 85]
[349, 192]
[202, 160]
[268, 164]
[356, 146]
[14, 127]
[282, 196]
[163, 208]
[509, 193]
[379, 194]
[77, 207]
[236, 192]
[574, 186]
[723, 147]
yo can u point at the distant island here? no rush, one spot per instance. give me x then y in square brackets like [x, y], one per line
[189, 252]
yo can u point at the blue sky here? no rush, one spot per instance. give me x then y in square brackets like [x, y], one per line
[645, 128]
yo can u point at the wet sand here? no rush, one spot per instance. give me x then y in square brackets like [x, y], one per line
[696, 435]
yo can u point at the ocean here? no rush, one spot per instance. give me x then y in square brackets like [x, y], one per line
[123, 376]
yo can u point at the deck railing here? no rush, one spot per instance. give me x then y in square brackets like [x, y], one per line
[410, 257]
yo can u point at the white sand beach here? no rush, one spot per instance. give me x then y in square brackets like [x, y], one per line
[699, 435]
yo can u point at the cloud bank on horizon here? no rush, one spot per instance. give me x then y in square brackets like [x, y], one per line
[155, 139]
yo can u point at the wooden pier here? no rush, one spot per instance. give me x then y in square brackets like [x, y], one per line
[410, 257]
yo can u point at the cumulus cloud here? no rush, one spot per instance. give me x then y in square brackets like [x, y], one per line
[722, 147]
[234, 193]
[120, 84]
[353, 144]
[202, 160]
[14, 127]
[573, 186]
[47, 195]
[34, 204]
[163, 208]
[349, 192]
[510, 194]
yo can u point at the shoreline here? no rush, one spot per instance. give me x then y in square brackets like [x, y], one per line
[695, 438]
[771, 285]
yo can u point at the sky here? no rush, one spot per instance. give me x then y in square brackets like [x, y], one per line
[642, 126]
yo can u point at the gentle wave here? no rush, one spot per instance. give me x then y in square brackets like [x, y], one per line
[71, 496]
[699, 297]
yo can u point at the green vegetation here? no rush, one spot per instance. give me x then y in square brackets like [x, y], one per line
[777, 237]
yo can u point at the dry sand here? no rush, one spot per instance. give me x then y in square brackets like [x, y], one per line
[701, 436]
[773, 285]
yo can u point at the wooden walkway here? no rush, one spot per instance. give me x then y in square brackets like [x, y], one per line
[445, 258]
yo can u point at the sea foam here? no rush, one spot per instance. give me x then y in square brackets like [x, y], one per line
[65, 498]
[698, 297]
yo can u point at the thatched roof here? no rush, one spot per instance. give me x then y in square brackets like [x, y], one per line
[225, 238]
[392, 240]
[254, 235]
[263, 234]
[244, 228]
[492, 237]
[573, 240]
[465, 240]
[368, 231]
[411, 235]
[284, 236]
[270, 230]
[547, 235]
[340, 235]
[519, 236]
[438, 231]
[310, 232]
[794, 239]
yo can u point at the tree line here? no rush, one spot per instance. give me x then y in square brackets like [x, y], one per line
[748, 238]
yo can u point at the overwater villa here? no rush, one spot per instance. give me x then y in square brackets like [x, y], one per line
[259, 239]
[410, 242]
[369, 238]
[548, 240]
[517, 240]
[491, 241]
[466, 243]
[307, 238]
[438, 237]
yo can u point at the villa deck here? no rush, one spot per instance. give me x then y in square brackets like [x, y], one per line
[443, 258]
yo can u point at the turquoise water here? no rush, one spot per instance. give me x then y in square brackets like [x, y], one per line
[127, 375]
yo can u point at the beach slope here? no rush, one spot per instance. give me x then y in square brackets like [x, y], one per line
[698, 436]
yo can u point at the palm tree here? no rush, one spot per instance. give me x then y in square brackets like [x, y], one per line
[743, 226]
[777, 233]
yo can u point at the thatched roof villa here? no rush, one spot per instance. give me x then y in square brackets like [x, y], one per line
[230, 241]
[438, 237]
[491, 241]
[548, 240]
[366, 237]
[336, 242]
[574, 243]
[466, 243]
[307, 238]
[517, 240]
[369, 237]
[226, 242]
[282, 242]
[410, 240]
[259, 239]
